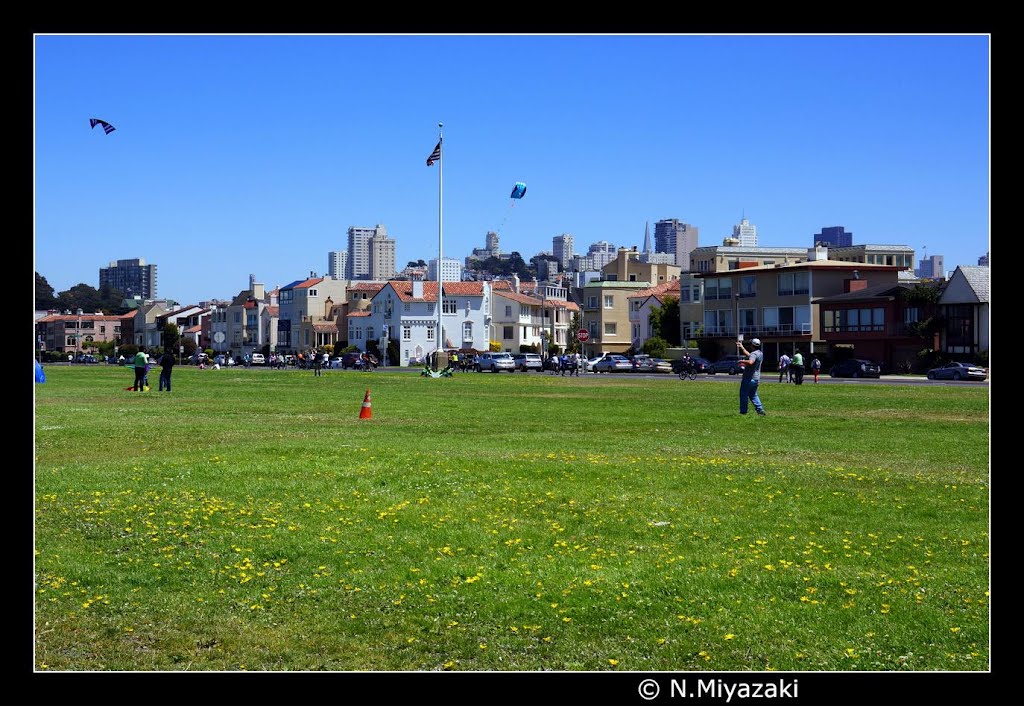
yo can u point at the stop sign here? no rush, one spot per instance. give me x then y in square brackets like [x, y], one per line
[583, 335]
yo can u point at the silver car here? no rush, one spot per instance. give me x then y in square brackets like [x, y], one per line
[613, 364]
[495, 362]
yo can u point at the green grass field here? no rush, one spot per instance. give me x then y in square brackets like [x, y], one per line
[250, 520]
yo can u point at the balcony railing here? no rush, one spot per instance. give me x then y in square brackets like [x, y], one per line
[762, 331]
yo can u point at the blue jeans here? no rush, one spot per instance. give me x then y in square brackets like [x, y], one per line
[165, 380]
[748, 393]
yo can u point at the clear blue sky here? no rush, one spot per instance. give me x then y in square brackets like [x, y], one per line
[240, 154]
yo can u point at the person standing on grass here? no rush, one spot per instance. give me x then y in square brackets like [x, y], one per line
[139, 363]
[751, 376]
[783, 367]
[798, 367]
[816, 368]
[166, 364]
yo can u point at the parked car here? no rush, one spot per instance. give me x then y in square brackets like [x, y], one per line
[526, 362]
[257, 359]
[660, 365]
[335, 363]
[732, 364]
[350, 360]
[958, 371]
[613, 363]
[641, 362]
[495, 362]
[855, 368]
[417, 360]
[701, 365]
[589, 364]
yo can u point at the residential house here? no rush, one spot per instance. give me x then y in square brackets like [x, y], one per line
[145, 330]
[691, 307]
[641, 304]
[406, 311]
[530, 319]
[303, 301]
[875, 322]
[189, 318]
[72, 333]
[964, 305]
[778, 304]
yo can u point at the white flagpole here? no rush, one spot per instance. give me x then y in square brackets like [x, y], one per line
[440, 191]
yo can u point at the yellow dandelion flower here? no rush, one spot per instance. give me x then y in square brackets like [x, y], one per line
[613, 662]
[729, 636]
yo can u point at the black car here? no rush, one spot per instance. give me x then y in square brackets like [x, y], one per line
[856, 368]
[702, 366]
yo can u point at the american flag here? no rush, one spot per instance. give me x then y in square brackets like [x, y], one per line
[435, 155]
[107, 127]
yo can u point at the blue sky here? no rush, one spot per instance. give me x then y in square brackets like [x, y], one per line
[238, 154]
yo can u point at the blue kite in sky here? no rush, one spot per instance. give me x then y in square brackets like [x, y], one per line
[107, 127]
[519, 191]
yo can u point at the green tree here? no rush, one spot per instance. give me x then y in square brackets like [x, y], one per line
[664, 321]
[81, 296]
[45, 296]
[170, 335]
[655, 347]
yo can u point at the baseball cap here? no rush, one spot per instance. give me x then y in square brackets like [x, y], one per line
[755, 342]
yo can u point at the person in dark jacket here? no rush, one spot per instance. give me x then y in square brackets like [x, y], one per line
[166, 365]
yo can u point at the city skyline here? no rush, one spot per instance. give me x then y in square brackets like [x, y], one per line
[235, 154]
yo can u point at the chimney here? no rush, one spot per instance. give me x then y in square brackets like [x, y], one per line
[818, 252]
[515, 283]
[417, 289]
[854, 285]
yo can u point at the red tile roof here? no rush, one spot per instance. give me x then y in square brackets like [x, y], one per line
[403, 288]
[309, 282]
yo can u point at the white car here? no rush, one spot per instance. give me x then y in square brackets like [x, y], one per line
[495, 362]
[258, 359]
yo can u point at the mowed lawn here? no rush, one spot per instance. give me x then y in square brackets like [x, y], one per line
[249, 520]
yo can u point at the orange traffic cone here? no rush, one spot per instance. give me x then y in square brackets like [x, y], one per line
[366, 412]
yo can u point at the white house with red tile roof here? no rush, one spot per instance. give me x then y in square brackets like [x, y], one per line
[531, 319]
[406, 312]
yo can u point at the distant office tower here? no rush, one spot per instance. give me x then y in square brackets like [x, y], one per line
[382, 255]
[647, 238]
[600, 254]
[745, 233]
[134, 278]
[834, 237]
[931, 267]
[983, 260]
[358, 265]
[562, 247]
[676, 238]
[371, 253]
[492, 247]
[451, 269]
[337, 261]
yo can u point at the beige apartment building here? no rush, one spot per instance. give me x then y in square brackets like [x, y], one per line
[778, 303]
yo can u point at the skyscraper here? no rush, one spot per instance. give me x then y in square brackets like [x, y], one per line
[562, 248]
[746, 233]
[931, 267]
[371, 253]
[337, 261]
[676, 238]
[834, 237]
[134, 278]
[382, 255]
